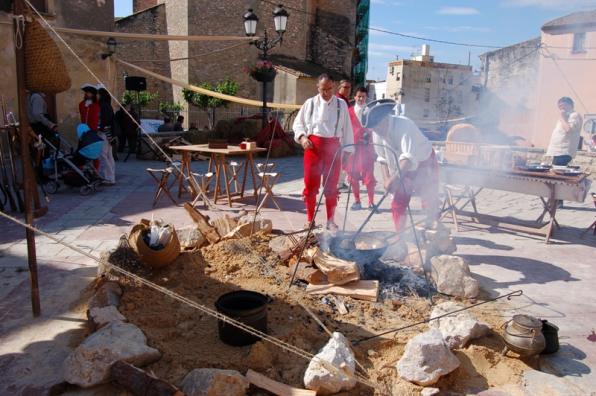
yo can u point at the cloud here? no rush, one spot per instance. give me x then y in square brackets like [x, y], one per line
[457, 29]
[551, 4]
[457, 11]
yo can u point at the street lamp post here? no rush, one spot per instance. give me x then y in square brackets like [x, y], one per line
[280, 20]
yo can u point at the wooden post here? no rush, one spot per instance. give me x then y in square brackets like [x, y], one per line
[28, 176]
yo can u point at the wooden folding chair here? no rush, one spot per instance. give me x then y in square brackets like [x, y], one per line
[453, 195]
[200, 184]
[268, 181]
[233, 172]
[161, 177]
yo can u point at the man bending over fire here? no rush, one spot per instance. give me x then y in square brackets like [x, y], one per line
[406, 147]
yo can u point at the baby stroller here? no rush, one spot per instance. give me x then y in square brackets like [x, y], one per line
[76, 168]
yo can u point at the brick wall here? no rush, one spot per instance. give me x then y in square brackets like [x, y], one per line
[140, 5]
[152, 22]
[91, 15]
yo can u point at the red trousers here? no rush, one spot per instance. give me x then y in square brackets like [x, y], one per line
[317, 165]
[361, 167]
[424, 181]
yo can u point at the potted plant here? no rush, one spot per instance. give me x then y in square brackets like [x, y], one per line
[209, 103]
[138, 98]
[171, 110]
[262, 71]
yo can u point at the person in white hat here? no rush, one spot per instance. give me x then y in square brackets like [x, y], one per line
[107, 165]
[409, 154]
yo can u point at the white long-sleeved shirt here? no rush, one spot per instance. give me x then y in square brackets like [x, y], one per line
[359, 110]
[320, 118]
[407, 140]
[565, 143]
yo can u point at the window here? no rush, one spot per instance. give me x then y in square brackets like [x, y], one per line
[425, 113]
[391, 70]
[41, 6]
[428, 78]
[450, 80]
[427, 95]
[382, 96]
[397, 76]
[579, 42]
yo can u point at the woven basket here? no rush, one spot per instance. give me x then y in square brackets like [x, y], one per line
[150, 257]
[45, 70]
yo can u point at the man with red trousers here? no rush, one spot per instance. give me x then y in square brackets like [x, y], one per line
[322, 126]
[410, 161]
[361, 166]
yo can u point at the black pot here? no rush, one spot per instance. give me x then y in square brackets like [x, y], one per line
[264, 76]
[247, 307]
[551, 335]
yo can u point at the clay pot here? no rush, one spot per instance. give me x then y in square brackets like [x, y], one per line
[150, 257]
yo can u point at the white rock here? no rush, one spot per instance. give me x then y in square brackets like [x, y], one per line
[89, 364]
[426, 358]
[325, 382]
[430, 391]
[108, 294]
[211, 382]
[452, 276]
[100, 317]
[457, 329]
[190, 237]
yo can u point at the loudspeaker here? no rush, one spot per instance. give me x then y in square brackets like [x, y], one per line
[134, 83]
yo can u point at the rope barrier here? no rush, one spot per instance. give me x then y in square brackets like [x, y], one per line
[229, 98]
[251, 330]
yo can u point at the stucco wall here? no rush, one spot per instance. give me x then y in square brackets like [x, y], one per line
[85, 14]
[554, 83]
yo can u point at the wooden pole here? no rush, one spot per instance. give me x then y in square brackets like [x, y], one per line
[29, 183]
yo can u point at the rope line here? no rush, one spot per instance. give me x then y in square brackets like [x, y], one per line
[189, 57]
[257, 333]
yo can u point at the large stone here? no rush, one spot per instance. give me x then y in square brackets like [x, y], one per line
[212, 382]
[99, 317]
[325, 380]
[452, 276]
[426, 358]
[457, 329]
[89, 364]
[430, 392]
[108, 294]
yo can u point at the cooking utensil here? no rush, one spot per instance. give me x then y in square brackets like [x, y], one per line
[523, 335]
[351, 243]
[534, 168]
[367, 248]
[568, 172]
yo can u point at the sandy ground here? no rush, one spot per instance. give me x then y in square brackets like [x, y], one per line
[189, 339]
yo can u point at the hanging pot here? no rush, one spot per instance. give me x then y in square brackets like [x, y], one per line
[523, 335]
[265, 75]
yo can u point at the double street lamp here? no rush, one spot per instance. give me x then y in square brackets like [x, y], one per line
[280, 20]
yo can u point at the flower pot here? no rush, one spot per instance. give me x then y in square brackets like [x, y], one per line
[266, 75]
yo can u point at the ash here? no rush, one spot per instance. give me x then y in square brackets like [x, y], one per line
[395, 281]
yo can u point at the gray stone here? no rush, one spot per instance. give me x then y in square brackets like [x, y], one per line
[430, 391]
[211, 382]
[108, 294]
[452, 276]
[280, 244]
[89, 364]
[99, 317]
[457, 329]
[426, 358]
[325, 381]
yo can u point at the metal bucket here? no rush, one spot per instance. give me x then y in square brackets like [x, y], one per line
[244, 306]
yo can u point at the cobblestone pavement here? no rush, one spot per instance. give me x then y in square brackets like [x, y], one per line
[557, 279]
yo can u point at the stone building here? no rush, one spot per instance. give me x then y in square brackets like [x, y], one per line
[92, 15]
[509, 80]
[431, 92]
[320, 37]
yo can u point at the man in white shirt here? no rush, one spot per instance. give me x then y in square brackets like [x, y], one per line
[321, 127]
[408, 149]
[565, 138]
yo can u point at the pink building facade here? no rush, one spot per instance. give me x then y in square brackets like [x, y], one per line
[567, 67]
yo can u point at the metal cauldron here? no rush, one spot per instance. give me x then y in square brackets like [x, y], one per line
[367, 248]
[523, 335]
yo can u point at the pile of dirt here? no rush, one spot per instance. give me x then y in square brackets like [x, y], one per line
[188, 339]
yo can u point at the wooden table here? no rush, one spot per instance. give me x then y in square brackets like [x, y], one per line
[548, 186]
[217, 165]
